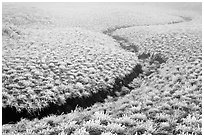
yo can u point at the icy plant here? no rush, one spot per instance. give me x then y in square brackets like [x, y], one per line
[68, 128]
[104, 118]
[165, 125]
[160, 117]
[93, 127]
[80, 131]
[153, 110]
[140, 129]
[115, 128]
[139, 116]
[189, 130]
[53, 120]
[190, 120]
[125, 120]
[149, 126]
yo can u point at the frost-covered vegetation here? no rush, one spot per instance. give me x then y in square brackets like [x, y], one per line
[56, 64]
[51, 55]
[48, 68]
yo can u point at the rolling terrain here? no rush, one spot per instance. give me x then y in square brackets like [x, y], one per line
[102, 68]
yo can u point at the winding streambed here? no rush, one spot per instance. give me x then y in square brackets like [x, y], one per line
[10, 114]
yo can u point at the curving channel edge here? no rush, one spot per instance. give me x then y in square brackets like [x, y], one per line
[11, 115]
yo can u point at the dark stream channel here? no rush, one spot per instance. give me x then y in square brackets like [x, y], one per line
[11, 115]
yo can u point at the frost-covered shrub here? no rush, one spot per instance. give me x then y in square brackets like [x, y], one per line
[153, 110]
[188, 130]
[104, 118]
[135, 109]
[140, 129]
[165, 125]
[125, 120]
[79, 86]
[115, 128]
[160, 117]
[68, 128]
[80, 131]
[124, 106]
[190, 120]
[93, 127]
[53, 120]
[139, 116]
